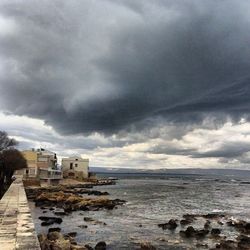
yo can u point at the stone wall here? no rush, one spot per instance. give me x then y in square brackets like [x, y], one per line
[16, 225]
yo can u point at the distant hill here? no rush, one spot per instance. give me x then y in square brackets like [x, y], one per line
[226, 172]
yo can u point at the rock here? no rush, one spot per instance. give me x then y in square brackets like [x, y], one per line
[89, 247]
[51, 219]
[44, 243]
[207, 224]
[201, 233]
[93, 221]
[101, 245]
[220, 222]
[77, 247]
[243, 242]
[47, 221]
[213, 216]
[191, 232]
[54, 236]
[83, 226]
[185, 222]
[171, 225]
[240, 225]
[88, 219]
[61, 244]
[147, 246]
[200, 245]
[215, 231]
[227, 245]
[190, 217]
[60, 213]
[72, 234]
[54, 229]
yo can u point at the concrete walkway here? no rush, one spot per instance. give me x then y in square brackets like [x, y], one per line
[16, 225]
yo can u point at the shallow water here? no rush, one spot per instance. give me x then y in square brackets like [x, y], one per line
[152, 200]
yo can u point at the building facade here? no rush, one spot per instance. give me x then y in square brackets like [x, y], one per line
[31, 158]
[75, 167]
[42, 165]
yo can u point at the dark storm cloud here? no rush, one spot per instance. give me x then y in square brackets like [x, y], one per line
[229, 150]
[105, 66]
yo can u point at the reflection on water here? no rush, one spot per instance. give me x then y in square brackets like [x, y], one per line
[152, 200]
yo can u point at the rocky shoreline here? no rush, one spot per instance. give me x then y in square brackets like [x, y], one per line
[63, 200]
[201, 231]
[214, 225]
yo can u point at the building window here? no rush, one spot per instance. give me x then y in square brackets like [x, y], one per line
[71, 165]
[76, 159]
[76, 165]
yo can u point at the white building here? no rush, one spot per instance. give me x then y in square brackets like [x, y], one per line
[75, 167]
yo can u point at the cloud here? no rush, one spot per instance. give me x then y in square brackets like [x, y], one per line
[105, 67]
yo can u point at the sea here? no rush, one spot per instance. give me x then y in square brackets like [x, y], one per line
[156, 198]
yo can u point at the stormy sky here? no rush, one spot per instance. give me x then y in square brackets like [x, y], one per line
[129, 83]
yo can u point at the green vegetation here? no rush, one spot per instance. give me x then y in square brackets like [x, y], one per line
[11, 159]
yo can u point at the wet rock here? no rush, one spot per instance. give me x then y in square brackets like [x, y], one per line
[147, 246]
[185, 222]
[200, 245]
[101, 245]
[49, 220]
[72, 234]
[88, 219]
[190, 217]
[191, 232]
[54, 229]
[207, 224]
[83, 226]
[171, 225]
[201, 233]
[215, 231]
[240, 225]
[89, 247]
[77, 247]
[60, 213]
[213, 216]
[227, 245]
[243, 242]
[93, 221]
[220, 222]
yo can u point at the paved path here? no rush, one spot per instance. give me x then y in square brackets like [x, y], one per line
[16, 225]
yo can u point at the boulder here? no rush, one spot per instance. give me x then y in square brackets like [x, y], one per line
[171, 225]
[101, 245]
[215, 231]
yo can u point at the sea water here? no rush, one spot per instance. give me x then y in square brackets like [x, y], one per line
[153, 199]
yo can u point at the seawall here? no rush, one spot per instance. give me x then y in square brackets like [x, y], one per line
[17, 229]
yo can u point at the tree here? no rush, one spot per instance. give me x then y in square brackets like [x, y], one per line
[13, 160]
[6, 142]
[10, 160]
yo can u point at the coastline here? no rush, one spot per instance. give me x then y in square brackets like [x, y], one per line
[176, 238]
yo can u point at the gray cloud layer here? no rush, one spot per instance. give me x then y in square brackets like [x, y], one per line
[106, 66]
